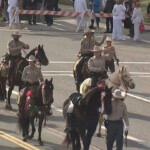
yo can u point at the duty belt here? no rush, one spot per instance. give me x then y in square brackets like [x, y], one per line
[115, 121]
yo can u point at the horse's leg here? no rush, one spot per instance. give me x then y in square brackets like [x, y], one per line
[8, 105]
[73, 139]
[83, 137]
[101, 120]
[40, 129]
[25, 127]
[90, 133]
[78, 144]
[33, 128]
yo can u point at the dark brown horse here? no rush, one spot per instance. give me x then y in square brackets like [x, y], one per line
[82, 73]
[39, 111]
[85, 117]
[16, 79]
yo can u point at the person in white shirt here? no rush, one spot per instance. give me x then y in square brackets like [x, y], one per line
[118, 15]
[13, 5]
[137, 18]
[80, 6]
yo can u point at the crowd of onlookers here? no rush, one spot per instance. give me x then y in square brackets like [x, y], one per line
[8, 7]
[118, 8]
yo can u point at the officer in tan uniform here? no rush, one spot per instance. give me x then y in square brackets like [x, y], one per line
[96, 66]
[87, 43]
[114, 122]
[14, 47]
[31, 75]
[110, 50]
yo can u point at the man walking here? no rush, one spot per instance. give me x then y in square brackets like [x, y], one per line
[115, 121]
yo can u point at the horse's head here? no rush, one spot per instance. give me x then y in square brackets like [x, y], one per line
[40, 55]
[125, 78]
[48, 90]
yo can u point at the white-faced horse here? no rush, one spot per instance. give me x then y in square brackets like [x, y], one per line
[121, 77]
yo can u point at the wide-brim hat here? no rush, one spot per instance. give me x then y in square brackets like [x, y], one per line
[88, 30]
[31, 58]
[97, 49]
[108, 39]
[16, 33]
[118, 94]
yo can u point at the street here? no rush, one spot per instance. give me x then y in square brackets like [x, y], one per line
[61, 44]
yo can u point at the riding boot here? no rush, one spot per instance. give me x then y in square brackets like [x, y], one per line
[10, 74]
[92, 24]
[69, 122]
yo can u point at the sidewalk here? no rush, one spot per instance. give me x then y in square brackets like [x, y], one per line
[43, 27]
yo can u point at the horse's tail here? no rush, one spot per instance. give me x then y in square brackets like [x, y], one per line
[67, 141]
[22, 123]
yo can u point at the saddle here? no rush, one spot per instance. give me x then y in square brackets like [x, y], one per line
[75, 97]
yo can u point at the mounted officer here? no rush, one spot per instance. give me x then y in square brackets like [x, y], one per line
[96, 66]
[110, 50]
[14, 47]
[87, 43]
[32, 76]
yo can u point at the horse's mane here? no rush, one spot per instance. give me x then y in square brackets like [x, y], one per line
[30, 53]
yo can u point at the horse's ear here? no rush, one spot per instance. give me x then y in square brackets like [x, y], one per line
[42, 46]
[51, 79]
[46, 81]
[39, 46]
[121, 69]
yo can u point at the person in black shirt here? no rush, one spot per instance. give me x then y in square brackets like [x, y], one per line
[31, 5]
[49, 5]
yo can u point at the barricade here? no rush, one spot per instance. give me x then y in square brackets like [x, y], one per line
[68, 14]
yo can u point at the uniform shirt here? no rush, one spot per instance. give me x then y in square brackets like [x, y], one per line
[110, 52]
[87, 44]
[15, 47]
[34, 74]
[97, 64]
[119, 111]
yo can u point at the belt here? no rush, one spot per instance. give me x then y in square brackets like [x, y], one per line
[115, 121]
[33, 84]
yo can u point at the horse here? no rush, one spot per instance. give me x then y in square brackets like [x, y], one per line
[3, 78]
[29, 115]
[16, 78]
[84, 72]
[114, 81]
[85, 117]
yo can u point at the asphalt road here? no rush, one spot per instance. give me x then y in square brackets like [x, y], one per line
[61, 43]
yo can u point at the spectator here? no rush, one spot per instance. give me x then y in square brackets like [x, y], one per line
[95, 8]
[80, 6]
[137, 18]
[148, 8]
[4, 11]
[31, 5]
[109, 20]
[118, 15]
[56, 8]
[49, 5]
[13, 5]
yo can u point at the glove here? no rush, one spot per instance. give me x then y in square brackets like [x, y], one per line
[126, 130]
[117, 61]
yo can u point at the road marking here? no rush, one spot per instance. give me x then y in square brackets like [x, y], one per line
[57, 28]
[17, 141]
[58, 71]
[72, 62]
[58, 75]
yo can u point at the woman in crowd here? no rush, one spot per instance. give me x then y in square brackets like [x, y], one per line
[118, 15]
[137, 18]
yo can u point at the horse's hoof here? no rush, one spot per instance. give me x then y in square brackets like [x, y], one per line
[25, 140]
[41, 143]
[99, 135]
[7, 106]
[30, 137]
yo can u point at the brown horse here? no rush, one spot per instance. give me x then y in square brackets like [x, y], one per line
[16, 78]
[85, 117]
[82, 73]
[39, 111]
